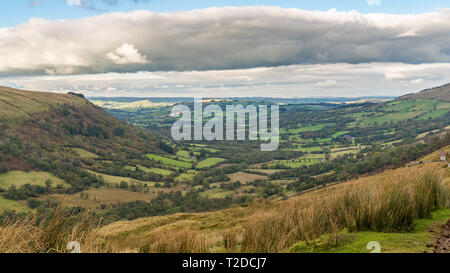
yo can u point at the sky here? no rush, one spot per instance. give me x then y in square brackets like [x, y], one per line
[225, 48]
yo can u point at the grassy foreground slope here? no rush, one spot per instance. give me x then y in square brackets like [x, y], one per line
[397, 207]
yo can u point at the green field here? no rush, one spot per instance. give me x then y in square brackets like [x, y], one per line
[304, 128]
[296, 163]
[169, 161]
[183, 153]
[186, 177]
[305, 149]
[211, 150]
[110, 179]
[160, 171]
[209, 162]
[356, 242]
[403, 110]
[217, 193]
[6, 204]
[84, 153]
[19, 178]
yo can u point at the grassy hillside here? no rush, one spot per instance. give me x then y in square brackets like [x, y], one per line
[19, 103]
[441, 93]
[387, 207]
[58, 137]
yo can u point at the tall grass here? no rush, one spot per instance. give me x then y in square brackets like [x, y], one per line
[37, 234]
[179, 241]
[391, 203]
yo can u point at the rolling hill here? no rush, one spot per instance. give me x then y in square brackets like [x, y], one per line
[441, 93]
[62, 134]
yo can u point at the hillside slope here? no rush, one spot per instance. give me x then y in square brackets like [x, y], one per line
[302, 224]
[19, 103]
[441, 93]
[62, 134]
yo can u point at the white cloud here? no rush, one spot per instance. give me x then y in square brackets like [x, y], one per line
[374, 2]
[220, 38]
[74, 2]
[127, 54]
[285, 81]
[328, 83]
[96, 4]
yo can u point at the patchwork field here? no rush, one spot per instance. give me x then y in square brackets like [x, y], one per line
[186, 177]
[93, 198]
[116, 180]
[84, 153]
[169, 161]
[6, 204]
[209, 162]
[160, 171]
[245, 177]
[19, 178]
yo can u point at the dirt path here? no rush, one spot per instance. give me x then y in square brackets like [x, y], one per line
[442, 243]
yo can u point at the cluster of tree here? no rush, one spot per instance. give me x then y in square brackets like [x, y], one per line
[137, 173]
[168, 203]
[217, 175]
[25, 191]
[309, 182]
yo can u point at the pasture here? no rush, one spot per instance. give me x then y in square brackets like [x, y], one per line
[168, 161]
[19, 178]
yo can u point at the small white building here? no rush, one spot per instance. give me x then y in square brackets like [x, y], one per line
[443, 156]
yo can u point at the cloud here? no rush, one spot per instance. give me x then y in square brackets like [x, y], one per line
[127, 54]
[353, 80]
[98, 4]
[374, 2]
[328, 84]
[221, 38]
[34, 3]
[75, 2]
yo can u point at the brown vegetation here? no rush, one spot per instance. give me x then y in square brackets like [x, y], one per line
[389, 201]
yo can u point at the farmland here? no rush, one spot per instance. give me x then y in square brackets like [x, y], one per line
[20, 178]
[168, 161]
[209, 162]
[83, 153]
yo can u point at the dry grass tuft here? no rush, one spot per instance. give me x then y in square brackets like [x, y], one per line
[388, 203]
[183, 240]
[46, 235]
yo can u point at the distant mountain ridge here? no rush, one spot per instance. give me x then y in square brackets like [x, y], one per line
[312, 100]
[441, 93]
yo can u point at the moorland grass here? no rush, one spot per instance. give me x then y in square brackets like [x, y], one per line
[390, 203]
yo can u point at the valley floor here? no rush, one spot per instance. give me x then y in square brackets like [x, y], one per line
[225, 230]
